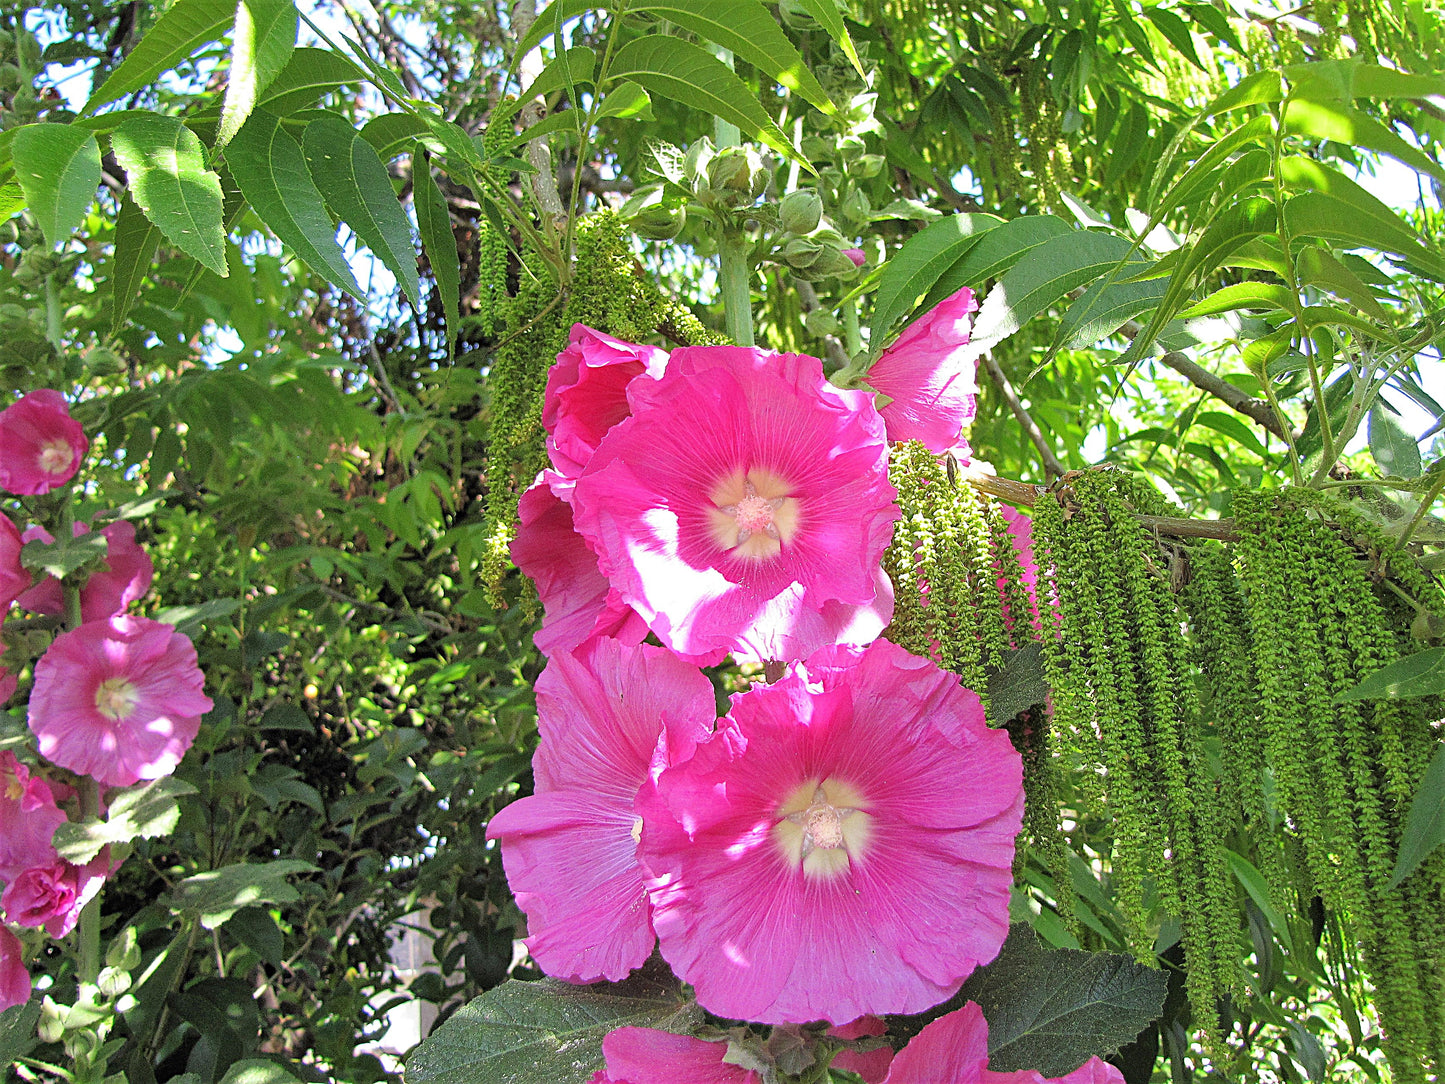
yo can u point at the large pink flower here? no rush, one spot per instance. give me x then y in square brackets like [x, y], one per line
[123, 577]
[929, 375]
[649, 1056]
[587, 393]
[841, 846]
[744, 506]
[607, 719]
[53, 895]
[41, 445]
[8, 684]
[28, 819]
[118, 700]
[14, 972]
[14, 579]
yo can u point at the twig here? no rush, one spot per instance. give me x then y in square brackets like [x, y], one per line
[544, 181]
[1052, 467]
[1257, 410]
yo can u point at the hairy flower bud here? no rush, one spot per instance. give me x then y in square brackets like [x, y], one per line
[801, 211]
[802, 253]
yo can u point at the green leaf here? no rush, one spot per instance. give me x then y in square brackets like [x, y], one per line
[627, 102]
[435, 224]
[392, 133]
[1104, 308]
[1176, 30]
[142, 812]
[995, 253]
[1243, 295]
[1042, 275]
[1254, 883]
[1395, 451]
[753, 35]
[829, 18]
[1194, 178]
[258, 1071]
[1421, 674]
[309, 74]
[915, 268]
[1018, 685]
[522, 1032]
[268, 165]
[1345, 124]
[136, 241]
[1233, 428]
[176, 35]
[1257, 89]
[263, 41]
[58, 167]
[1053, 1010]
[218, 894]
[689, 74]
[17, 1031]
[62, 556]
[358, 189]
[189, 620]
[1318, 267]
[1425, 825]
[166, 168]
[257, 930]
[1336, 80]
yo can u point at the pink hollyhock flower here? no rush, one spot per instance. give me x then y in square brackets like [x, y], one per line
[53, 895]
[41, 445]
[1021, 534]
[954, 1048]
[871, 1065]
[587, 393]
[124, 576]
[649, 1056]
[841, 846]
[8, 684]
[14, 579]
[14, 973]
[744, 506]
[607, 717]
[929, 375]
[28, 819]
[118, 700]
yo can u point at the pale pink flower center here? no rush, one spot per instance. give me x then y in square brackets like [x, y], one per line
[754, 513]
[14, 790]
[55, 456]
[116, 697]
[822, 828]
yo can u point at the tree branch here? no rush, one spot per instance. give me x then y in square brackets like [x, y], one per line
[1052, 467]
[1257, 410]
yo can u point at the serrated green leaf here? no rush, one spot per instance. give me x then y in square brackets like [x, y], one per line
[268, 165]
[218, 894]
[166, 168]
[688, 73]
[549, 21]
[1425, 825]
[136, 241]
[62, 556]
[435, 224]
[1395, 451]
[58, 167]
[1421, 674]
[358, 189]
[1176, 30]
[177, 34]
[1345, 124]
[141, 812]
[1104, 308]
[262, 43]
[522, 1032]
[831, 20]
[1318, 267]
[1257, 89]
[392, 133]
[996, 251]
[309, 74]
[915, 268]
[1196, 176]
[1018, 685]
[1243, 295]
[627, 102]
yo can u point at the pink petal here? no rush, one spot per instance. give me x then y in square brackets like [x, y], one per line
[929, 375]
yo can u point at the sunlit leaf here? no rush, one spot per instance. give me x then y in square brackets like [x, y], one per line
[263, 41]
[177, 34]
[435, 224]
[58, 167]
[914, 269]
[1425, 825]
[165, 164]
[1395, 451]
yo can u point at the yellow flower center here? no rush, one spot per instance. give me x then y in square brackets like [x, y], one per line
[753, 513]
[116, 697]
[822, 827]
[55, 457]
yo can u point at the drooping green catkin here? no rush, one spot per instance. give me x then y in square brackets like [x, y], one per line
[491, 278]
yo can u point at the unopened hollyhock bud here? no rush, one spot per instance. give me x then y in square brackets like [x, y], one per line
[41, 445]
[929, 375]
[856, 255]
[124, 577]
[14, 974]
[801, 211]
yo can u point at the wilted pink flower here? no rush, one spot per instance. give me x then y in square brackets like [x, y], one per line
[14, 973]
[856, 255]
[53, 895]
[607, 719]
[954, 1048]
[13, 577]
[587, 393]
[41, 445]
[28, 819]
[649, 1056]
[744, 506]
[929, 375]
[123, 577]
[841, 846]
[118, 700]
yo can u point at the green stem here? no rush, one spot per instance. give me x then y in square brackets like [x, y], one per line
[734, 265]
[52, 311]
[852, 337]
[89, 927]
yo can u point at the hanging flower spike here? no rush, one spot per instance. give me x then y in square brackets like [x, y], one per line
[14, 578]
[1021, 534]
[41, 445]
[124, 576]
[587, 393]
[28, 819]
[929, 375]
[118, 700]
[841, 846]
[53, 895]
[649, 1056]
[14, 973]
[744, 506]
[607, 718]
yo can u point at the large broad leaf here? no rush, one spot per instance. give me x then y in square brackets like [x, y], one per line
[358, 189]
[435, 224]
[688, 73]
[143, 812]
[136, 241]
[1345, 124]
[263, 41]
[17, 1031]
[1104, 308]
[914, 269]
[166, 167]
[218, 894]
[268, 164]
[1395, 451]
[176, 35]
[1053, 1010]
[1337, 80]
[58, 167]
[1425, 826]
[522, 1032]
[1420, 674]
[309, 74]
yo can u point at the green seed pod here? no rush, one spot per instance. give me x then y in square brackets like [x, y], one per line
[801, 211]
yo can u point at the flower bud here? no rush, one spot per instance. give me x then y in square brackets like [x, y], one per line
[650, 217]
[51, 1026]
[801, 211]
[801, 253]
[113, 982]
[870, 165]
[821, 322]
[695, 162]
[738, 172]
[834, 261]
[857, 208]
[850, 148]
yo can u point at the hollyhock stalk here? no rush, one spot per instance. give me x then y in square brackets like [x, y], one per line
[88, 929]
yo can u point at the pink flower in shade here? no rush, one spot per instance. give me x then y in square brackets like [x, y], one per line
[841, 846]
[649, 1056]
[954, 1049]
[1021, 534]
[14, 579]
[14, 973]
[41, 445]
[124, 576]
[856, 255]
[744, 506]
[118, 700]
[53, 895]
[587, 393]
[871, 1065]
[929, 375]
[608, 717]
[28, 819]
